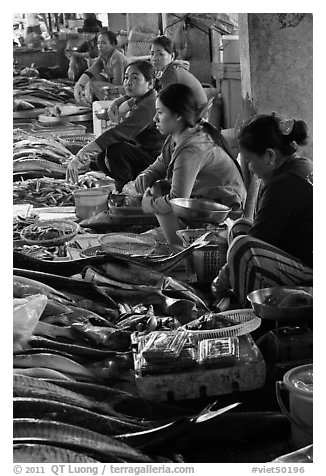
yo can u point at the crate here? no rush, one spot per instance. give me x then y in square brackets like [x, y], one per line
[207, 262]
[248, 373]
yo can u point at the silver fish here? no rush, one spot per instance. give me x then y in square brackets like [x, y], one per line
[33, 453]
[28, 430]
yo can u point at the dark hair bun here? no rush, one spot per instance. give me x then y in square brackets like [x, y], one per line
[299, 133]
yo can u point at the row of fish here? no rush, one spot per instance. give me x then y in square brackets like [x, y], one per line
[30, 93]
[44, 192]
[41, 157]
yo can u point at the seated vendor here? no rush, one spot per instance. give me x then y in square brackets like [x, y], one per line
[276, 249]
[80, 57]
[169, 70]
[106, 72]
[127, 148]
[195, 159]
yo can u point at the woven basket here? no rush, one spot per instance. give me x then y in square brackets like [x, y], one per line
[248, 323]
[69, 228]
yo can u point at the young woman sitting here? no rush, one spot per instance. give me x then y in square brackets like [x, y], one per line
[127, 148]
[195, 159]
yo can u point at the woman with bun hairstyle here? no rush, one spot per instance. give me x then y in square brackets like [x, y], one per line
[195, 160]
[276, 248]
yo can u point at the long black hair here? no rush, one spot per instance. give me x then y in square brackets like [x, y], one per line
[265, 131]
[180, 99]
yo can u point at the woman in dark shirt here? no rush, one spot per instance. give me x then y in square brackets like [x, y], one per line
[127, 148]
[276, 248]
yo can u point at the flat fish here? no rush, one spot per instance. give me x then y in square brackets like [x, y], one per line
[28, 430]
[34, 453]
[45, 409]
[40, 372]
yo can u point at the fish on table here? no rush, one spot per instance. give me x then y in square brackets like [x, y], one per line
[69, 436]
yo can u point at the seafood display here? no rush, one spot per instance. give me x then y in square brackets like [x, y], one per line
[30, 93]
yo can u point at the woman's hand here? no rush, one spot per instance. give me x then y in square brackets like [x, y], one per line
[221, 285]
[142, 182]
[113, 113]
[146, 203]
[72, 170]
[78, 92]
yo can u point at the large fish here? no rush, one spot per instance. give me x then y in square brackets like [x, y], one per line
[45, 409]
[34, 387]
[41, 372]
[28, 430]
[55, 362]
[48, 143]
[35, 453]
[24, 287]
[62, 283]
[179, 428]
[77, 349]
[26, 164]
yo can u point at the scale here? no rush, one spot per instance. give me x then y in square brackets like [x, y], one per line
[286, 338]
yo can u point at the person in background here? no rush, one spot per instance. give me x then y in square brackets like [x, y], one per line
[79, 57]
[106, 72]
[195, 160]
[276, 248]
[168, 70]
[127, 148]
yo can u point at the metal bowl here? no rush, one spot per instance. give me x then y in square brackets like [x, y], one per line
[199, 210]
[276, 311]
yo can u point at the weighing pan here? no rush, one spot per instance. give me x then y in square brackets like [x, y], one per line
[267, 303]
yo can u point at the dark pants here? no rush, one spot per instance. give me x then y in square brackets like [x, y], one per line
[123, 162]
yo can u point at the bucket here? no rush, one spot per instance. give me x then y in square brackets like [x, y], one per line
[298, 383]
[91, 201]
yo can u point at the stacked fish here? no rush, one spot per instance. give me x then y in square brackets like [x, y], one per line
[44, 192]
[81, 348]
[38, 157]
[34, 93]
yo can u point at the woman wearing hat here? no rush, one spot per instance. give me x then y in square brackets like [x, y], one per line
[106, 72]
[79, 58]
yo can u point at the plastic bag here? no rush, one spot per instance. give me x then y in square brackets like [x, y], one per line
[27, 312]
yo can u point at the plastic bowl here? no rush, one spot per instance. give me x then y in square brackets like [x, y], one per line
[276, 312]
[69, 229]
[199, 210]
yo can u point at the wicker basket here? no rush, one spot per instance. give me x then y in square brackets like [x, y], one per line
[246, 317]
[69, 229]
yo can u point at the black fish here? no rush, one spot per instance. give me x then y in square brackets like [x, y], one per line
[84, 289]
[45, 409]
[64, 435]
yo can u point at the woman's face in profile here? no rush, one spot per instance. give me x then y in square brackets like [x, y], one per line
[167, 122]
